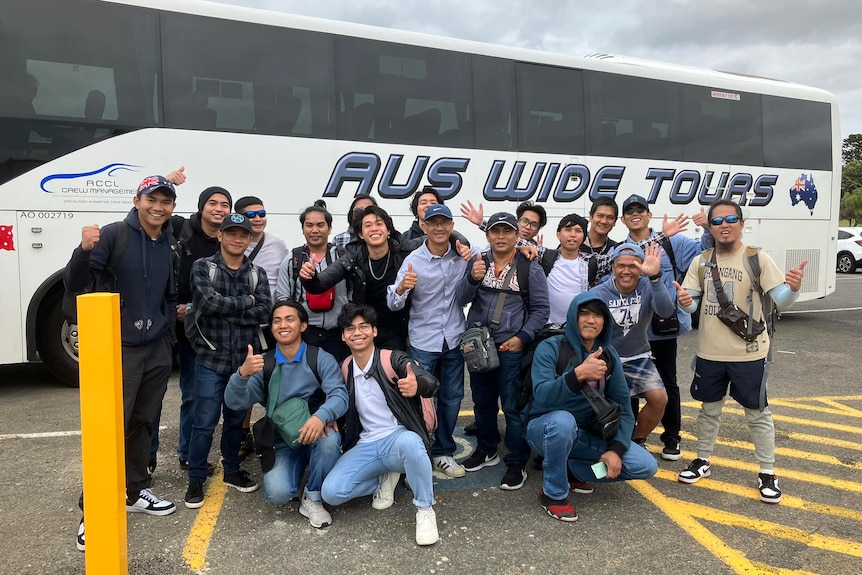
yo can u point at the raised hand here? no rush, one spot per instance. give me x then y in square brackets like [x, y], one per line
[253, 363]
[307, 271]
[475, 215]
[409, 280]
[652, 260]
[463, 251]
[592, 368]
[699, 218]
[794, 276]
[177, 177]
[90, 236]
[408, 386]
[480, 268]
[682, 296]
[675, 226]
[539, 239]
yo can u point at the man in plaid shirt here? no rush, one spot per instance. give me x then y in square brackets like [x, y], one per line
[231, 299]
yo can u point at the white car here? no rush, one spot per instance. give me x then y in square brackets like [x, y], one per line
[849, 249]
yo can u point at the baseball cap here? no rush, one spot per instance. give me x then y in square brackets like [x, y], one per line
[627, 249]
[573, 219]
[155, 183]
[236, 221]
[500, 218]
[635, 200]
[438, 210]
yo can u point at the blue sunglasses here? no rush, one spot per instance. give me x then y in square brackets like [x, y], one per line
[718, 220]
[258, 213]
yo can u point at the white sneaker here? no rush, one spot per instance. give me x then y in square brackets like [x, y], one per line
[384, 497]
[445, 466]
[150, 504]
[317, 514]
[79, 541]
[426, 527]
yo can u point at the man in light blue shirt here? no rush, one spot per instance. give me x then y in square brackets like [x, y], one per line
[428, 278]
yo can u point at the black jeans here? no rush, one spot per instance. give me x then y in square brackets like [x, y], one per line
[664, 354]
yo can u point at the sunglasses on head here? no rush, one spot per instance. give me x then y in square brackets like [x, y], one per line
[635, 210]
[718, 220]
[256, 214]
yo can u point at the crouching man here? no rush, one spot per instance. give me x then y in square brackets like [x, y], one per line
[384, 431]
[298, 371]
[560, 413]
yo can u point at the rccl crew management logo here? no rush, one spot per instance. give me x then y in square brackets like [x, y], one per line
[106, 181]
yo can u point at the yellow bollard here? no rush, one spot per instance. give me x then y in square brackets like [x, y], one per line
[102, 438]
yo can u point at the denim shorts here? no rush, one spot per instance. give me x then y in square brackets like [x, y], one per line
[641, 375]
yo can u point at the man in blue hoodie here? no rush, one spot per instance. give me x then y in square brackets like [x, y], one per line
[560, 413]
[146, 279]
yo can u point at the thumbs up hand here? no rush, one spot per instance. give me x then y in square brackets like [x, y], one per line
[408, 386]
[592, 368]
[408, 282]
[253, 364]
[463, 251]
[794, 276]
[699, 218]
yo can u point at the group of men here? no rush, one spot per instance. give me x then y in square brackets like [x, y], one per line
[365, 329]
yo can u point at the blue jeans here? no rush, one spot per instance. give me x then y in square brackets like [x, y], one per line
[208, 405]
[487, 388]
[281, 483]
[357, 473]
[451, 376]
[556, 436]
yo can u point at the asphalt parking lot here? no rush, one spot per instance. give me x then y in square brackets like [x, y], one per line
[655, 526]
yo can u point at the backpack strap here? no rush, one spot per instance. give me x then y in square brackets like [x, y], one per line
[120, 244]
[257, 248]
[268, 368]
[523, 268]
[311, 359]
[547, 261]
[386, 362]
[668, 248]
[564, 355]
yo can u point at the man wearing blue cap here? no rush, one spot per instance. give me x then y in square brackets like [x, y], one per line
[633, 293]
[436, 323]
[145, 277]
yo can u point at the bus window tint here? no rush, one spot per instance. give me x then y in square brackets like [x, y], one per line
[494, 103]
[550, 109]
[236, 76]
[722, 126]
[797, 134]
[632, 117]
[402, 94]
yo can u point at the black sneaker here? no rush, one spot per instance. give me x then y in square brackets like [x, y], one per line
[695, 470]
[79, 541]
[538, 463]
[194, 494]
[241, 481]
[470, 428]
[479, 460]
[671, 449]
[246, 448]
[767, 483]
[184, 464]
[514, 478]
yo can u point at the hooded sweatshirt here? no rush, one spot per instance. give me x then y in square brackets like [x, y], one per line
[145, 279]
[552, 393]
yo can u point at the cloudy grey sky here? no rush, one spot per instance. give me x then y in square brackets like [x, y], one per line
[812, 42]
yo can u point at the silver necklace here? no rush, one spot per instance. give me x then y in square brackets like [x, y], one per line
[385, 268]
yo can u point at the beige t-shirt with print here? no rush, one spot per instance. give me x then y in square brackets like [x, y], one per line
[715, 341]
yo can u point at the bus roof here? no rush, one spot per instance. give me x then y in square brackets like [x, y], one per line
[599, 62]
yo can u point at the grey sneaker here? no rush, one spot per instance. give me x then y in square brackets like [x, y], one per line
[316, 513]
[384, 497]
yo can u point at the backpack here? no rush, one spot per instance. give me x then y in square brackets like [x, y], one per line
[311, 354]
[319, 302]
[429, 406]
[767, 306]
[193, 329]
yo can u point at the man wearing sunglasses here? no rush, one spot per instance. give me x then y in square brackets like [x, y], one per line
[723, 357]
[266, 249]
[677, 253]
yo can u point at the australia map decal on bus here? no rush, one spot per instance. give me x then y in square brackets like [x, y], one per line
[99, 182]
[804, 191]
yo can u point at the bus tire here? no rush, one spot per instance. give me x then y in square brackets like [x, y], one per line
[57, 341]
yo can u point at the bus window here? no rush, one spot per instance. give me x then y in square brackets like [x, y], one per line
[550, 109]
[402, 94]
[253, 78]
[797, 133]
[632, 117]
[494, 103]
[722, 126]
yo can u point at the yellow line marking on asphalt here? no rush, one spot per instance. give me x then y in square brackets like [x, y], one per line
[795, 420]
[844, 408]
[751, 493]
[854, 445]
[836, 409]
[198, 541]
[783, 452]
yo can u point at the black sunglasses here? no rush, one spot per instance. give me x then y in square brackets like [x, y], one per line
[635, 210]
[258, 213]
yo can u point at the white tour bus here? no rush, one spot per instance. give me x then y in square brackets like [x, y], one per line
[95, 95]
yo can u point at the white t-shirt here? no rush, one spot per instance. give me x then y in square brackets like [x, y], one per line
[270, 256]
[715, 341]
[374, 413]
[566, 280]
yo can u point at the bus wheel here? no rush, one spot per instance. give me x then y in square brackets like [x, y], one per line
[57, 340]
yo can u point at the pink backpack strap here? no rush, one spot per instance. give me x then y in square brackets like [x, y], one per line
[429, 406]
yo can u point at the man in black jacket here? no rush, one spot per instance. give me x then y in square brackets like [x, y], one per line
[146, 281]
[384, 432]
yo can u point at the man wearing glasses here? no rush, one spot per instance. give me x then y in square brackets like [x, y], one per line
[266, 249]
[436, 323]
[723, 357]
